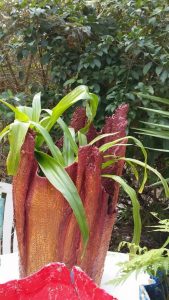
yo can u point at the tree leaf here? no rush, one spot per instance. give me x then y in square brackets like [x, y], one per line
[147, 68]
[159, 70]
[60, 179]
[164, 76]
[97, 63]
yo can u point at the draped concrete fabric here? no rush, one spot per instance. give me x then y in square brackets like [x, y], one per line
[46, 228]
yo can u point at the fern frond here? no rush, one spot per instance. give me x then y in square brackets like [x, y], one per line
[151, 261]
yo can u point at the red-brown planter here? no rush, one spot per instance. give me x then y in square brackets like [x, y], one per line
[46, 228]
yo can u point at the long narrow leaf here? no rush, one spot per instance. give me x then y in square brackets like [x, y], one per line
[4, 132]
[79, 93]
[115, 159]
[26, 110]
[158, 183]
[67, 133]
[156, 149]
[82, 139]
[134, 169]
[156, 125]
[91, 109]
[48, 111]
[106, 146]
[36, 107]
[166, 244]
[18, 114]
[3, 135]
[60, 179]
[102, 136]
[109, 163]
[153, 98]
[68, 151]
[159, 134]
[157, 111]
[136, 206]
[142, 164]
[45, 121]
[17, 133]
[52, 147]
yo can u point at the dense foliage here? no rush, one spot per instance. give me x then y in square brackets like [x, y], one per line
[117, 48]
[154, 261]
[114, 47]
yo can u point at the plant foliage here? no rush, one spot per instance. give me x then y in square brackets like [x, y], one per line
[151, 261]
[114, 47]
[53, 166]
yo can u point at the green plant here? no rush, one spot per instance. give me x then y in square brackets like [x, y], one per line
[144, 260]
[158, 129]
[114, 47]
[53, 166]
[161, 129]
[28, 118]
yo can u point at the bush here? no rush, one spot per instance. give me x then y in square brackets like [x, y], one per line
[114, 47]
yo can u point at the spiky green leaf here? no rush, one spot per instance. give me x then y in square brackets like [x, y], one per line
[153, 98]
[19, 115]
[52, 147]
[17, 133]
[106, 146]
[82, 139]
[68, 150]
[69, 134]
[135, 204]
[60, 179]
[36, 107]
[157, 111]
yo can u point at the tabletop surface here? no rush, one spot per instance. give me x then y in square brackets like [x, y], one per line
[9, 270]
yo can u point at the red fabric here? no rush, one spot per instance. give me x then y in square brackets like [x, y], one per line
[54, 282]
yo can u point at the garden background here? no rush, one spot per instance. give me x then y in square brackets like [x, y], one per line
[118, 49]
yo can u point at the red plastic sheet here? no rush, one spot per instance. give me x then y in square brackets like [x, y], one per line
[54, 282]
